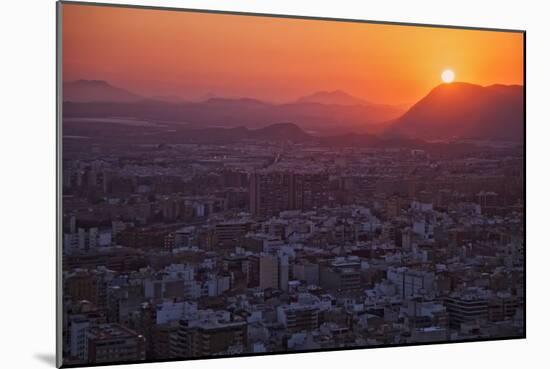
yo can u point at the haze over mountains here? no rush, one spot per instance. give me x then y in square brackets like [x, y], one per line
[450, 111]
[321, 112]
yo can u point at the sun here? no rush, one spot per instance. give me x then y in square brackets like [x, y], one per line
[448, 76]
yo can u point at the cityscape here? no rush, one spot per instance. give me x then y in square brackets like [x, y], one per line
[225, 226]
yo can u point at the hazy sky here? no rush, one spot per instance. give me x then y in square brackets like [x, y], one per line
[192, 55]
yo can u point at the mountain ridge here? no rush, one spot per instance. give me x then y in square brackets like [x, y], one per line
[464, 110]
[86, 90]
[335, 97]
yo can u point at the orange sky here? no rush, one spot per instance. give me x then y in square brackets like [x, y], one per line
[191, 55]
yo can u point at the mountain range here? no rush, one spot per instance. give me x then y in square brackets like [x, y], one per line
[324, 112]
[448, 112]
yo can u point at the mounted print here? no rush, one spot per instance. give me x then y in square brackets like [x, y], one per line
[234, 184]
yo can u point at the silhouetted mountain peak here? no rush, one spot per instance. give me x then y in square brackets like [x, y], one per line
[236, 102]
[465, 110]
[84, 90]
[456, 85]
[336, 97]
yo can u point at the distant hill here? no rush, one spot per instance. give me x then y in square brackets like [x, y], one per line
[333, 97]
[129, 131]
[168, 98]
[281, 132]
[465, 111]
[85, 91]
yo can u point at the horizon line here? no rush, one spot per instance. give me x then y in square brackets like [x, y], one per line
[368, 101]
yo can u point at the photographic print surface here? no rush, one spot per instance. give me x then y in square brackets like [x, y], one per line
[237, 184]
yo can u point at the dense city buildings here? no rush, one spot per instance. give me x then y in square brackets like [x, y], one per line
[183, 250]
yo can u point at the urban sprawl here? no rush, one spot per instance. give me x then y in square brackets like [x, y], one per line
[175, 251]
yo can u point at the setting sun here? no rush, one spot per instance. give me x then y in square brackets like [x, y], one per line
[448, 76]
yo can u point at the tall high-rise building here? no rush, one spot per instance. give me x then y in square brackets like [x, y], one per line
[270, 193]
[269, 271]
[253, 271]
[284, 269]
[273, 192]
[310, 190]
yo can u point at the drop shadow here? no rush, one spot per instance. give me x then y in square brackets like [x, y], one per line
[46, 358]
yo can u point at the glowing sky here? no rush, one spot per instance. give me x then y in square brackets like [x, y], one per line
[192, 55]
